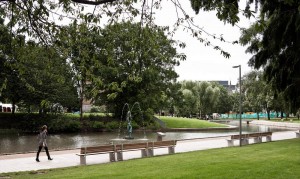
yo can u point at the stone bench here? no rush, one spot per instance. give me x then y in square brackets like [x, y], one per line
[257, 137]
[298, 134]
[105, 149]
[161, 144]
[147, 149]
[120, 148]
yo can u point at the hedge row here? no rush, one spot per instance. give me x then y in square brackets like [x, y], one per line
[63, 123]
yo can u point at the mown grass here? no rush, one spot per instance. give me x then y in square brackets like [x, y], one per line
[176, 122]
[280, 159]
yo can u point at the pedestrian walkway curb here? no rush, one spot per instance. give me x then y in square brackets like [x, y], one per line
[277, 124]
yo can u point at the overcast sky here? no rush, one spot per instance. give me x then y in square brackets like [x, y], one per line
[205, 63]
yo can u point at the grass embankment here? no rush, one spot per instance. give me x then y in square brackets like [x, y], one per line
[280, 159]
[176, 122]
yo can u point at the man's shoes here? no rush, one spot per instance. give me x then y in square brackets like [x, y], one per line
[50, 158]
[37, 160]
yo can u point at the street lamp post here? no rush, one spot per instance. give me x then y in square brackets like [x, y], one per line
[240, 81]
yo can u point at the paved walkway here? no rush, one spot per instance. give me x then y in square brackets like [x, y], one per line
[67, 158]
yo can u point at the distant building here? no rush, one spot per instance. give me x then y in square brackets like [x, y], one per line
[227, 84]
[86, 105]
[5, 107]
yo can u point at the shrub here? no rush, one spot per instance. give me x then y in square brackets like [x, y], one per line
[98, 125]
[65, 124]
[153, 125]
[94, 117]
[98, 109]
[112, 125]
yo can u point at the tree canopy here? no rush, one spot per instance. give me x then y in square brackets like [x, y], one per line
[273, 39]
[136, 64]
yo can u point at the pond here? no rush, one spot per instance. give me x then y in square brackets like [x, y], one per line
[20, 143]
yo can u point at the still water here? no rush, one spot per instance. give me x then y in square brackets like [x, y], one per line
[15, 143]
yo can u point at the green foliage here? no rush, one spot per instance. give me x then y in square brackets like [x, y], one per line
[132, 71]
[274, 42]
[153, 125]
[33, 79]
[258, 94]
[113, 125]
[226, 11]
[174, 122]
[98, 125]
[148, 114]
[32, 122]
[92, 117]
[225, 101]
[98, 109]
[62, 124]
[198, 98]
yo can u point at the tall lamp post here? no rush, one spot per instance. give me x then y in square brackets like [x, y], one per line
[240, 81]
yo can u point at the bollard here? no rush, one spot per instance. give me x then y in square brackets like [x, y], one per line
[160, 135]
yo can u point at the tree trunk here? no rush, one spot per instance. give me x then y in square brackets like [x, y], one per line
[200, 113]
[28, 109]
[13, 108]
[81, 105]
[257, 115]
[268, 113]
[81, 98]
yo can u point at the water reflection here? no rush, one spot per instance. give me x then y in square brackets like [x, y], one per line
[13, 143]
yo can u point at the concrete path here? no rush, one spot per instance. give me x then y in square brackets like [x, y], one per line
[68, 158]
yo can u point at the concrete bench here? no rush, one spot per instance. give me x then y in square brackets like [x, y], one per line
[257, 137]
[120, 148]
[298, 134]
[106, 149]
[147, 148]
[170, 144]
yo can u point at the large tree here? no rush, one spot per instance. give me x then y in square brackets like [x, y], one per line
[77, 43]
[200, 97]
[136, 65]
[258, 94]
[47, 76]
[225, 101]
[274, 41]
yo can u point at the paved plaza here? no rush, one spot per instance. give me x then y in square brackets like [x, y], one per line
[68, 158]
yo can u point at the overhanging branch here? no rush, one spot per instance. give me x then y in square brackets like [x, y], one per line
[89, 2]
[97, 2]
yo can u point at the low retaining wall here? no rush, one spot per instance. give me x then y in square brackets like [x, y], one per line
[277, 124]
[199, 129]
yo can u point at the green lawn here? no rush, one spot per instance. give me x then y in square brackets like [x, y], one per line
[280, 159]
[176, 122]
